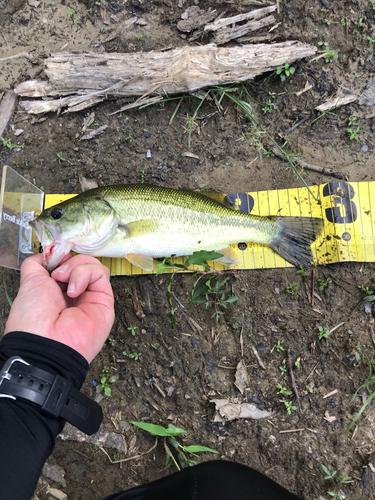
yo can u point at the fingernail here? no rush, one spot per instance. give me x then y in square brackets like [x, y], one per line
[61, 269]
[71, 288]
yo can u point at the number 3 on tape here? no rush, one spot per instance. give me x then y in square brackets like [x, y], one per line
[343, 194]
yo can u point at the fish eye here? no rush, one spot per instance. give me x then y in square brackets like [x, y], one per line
[57, 213]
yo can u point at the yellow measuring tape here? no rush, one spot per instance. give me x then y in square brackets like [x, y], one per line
[348, 210]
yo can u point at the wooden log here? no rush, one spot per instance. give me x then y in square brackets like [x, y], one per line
[6, 109]
[90, 78]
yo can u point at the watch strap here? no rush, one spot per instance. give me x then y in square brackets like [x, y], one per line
[53, 394]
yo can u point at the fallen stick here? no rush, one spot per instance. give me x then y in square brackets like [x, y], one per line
[293, 380]
[309, 166]
[6, 109]
[80, 80]
[19, 56]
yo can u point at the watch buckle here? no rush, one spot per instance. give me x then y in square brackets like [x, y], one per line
[4, 374]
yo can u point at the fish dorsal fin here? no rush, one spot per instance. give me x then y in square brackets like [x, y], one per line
[229, 258]
[145, 262]
[139, 227]
[221, 198]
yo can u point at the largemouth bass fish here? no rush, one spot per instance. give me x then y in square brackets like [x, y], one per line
[141, 222]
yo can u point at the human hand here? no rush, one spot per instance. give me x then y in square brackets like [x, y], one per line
[80, 318]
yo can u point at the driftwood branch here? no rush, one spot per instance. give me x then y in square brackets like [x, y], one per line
[82, 80]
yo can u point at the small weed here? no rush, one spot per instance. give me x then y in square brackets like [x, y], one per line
[111, 341]
[302, 270]
[297, 363]
[285, 71]
[132, 329]
[365, 290]
[352, 132]
[366, 271]
[171, 445]
[154, 346]
[105, 381]
[132, 355]
[129, 138]
[283, 390]
[368, 383]
[268, 107]
[7, 143]
[336, 478]
[360, 22]
[323, 333]
[279, 347]
[292, 288]
[343, 21]
[322, 284]
[282, 369]
[138, 37]
[70, 12]
[327, 22]
[268, 153]
[289, 406]
[60, 157]
[330, 53]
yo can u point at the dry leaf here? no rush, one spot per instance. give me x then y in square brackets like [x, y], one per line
[86, 184]
[242, 378]
[230, 411]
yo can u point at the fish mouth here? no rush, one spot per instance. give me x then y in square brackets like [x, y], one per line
[49, 238]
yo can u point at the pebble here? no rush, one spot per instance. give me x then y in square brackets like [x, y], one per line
[261, 347]
[365, 148]
[331, 404]
[20, 131]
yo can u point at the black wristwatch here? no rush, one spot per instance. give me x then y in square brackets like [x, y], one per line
[53, 394]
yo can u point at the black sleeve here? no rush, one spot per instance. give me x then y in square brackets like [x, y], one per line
[27, 436]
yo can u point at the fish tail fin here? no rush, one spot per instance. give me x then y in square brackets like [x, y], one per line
[294, 236]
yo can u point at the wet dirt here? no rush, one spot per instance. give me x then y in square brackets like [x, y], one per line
[191, 366]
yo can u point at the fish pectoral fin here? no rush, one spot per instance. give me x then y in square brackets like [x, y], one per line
[229, 258]
[145, 262]
[139, 227]
[218, 196]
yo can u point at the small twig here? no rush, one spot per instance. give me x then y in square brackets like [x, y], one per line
[190, 320]
[258, 358]
[291, 430]
[293, 380]
[330, 394]
[18, 56]
[372, 333]
[296, 125]
[337, 326]
[312, 287]
[129, 458]
[308, 166]
[241, 341]
[312, 371]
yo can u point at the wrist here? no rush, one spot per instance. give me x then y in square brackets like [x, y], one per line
[47, 354]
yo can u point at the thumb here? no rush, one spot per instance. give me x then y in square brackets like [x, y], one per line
[33, 266]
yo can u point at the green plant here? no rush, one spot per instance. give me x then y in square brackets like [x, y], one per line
[268, 153]
[60, 157]
[132, 355]
[360, 22]
[302, 270]
[129, 138]
[111, 341]
[105, 381]
[172, 446]
[210, 289]
[283, 390]
[352, 132]
[138, 37]
[330, 53]
[368, 383]
[268, 107]
[132, 329]
[70, 12]
[322, 284]
[323, 333]
[327, 22]
[142, 172]
[7, 143]
[365, 290]
[336, 478]
[279, 347]
[297, 363]
[282, 369]
[343, 21]
[289, 406]
[285, 71]
[292, 288]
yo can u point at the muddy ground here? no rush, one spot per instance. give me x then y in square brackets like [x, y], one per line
[191, 366]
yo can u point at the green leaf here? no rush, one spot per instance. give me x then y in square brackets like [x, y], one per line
[292, 69]
[201, 290]
[156, 430]
[163, 266]
[107, 391]
[200, 257]
[173, 442]
[174, 431]
[199, 300]
[282, 77]
[183, 460]
[197, 449]
[99, 388]
[103, 380]
[112, 379]
[232, 299]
